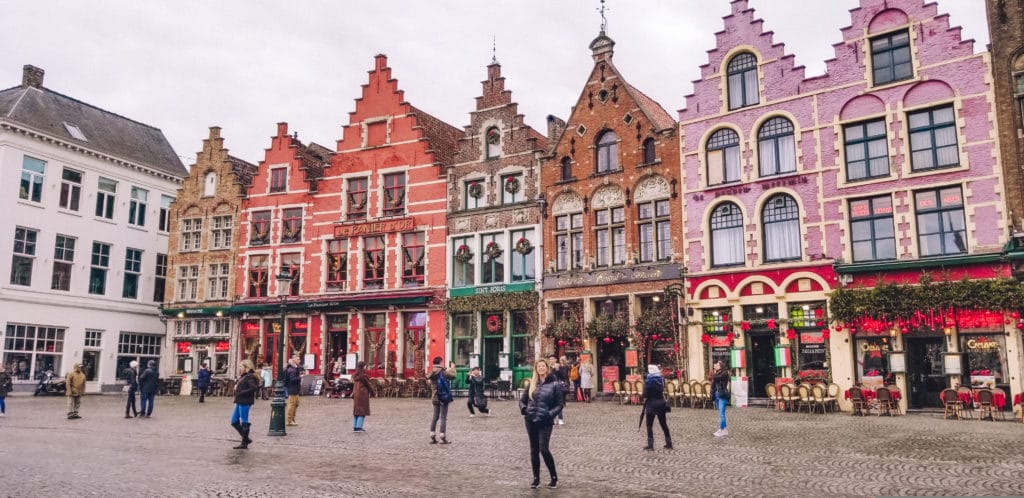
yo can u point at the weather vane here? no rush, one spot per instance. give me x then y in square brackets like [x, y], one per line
[604, 21]
[494, 50]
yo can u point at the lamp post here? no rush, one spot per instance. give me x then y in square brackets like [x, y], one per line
[284, 281]
[677, 291]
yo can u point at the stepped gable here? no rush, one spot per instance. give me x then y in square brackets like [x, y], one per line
[494, 96]
[243, 171]
[37, 108]
[442, 136]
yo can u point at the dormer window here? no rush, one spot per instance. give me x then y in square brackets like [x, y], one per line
[75, 132]
[608, 152]
[742, 74]
[493, 138]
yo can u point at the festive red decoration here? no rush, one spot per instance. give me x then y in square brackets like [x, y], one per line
[904, 330]
[818, 312]
[790, 334]
[730, 336]
[839, 328]
[771, 324]
[1015, 315]
[1020, 325]
[561, 342]
[745, 325]
[607, 340]
[493, 323]
[654, 337]
[826, 333]
[706, 339]
[1007, 322]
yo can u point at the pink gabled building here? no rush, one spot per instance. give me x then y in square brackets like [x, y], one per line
[879, 171]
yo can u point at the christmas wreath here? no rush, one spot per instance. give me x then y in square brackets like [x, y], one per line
[523, 246]
[463, 254]
[493, 323]
[493, 250]
[512, 185]
[476, 190]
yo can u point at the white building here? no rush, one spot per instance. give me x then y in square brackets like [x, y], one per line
[84, 195]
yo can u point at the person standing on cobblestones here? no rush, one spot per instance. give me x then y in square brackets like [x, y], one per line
[720, 393]
[245, 396]
[476, 393]
[268, 380]
[540, 406]
[655, 406]
[6, 384]
[203, 379]
[586, 379]
[293, 384]
[360, 397]
[75, 382]
[561, 375]
[148, 383]
[440, 407]
[131, 379]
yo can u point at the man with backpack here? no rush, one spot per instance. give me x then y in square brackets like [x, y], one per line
[574, 378]
[440, 383]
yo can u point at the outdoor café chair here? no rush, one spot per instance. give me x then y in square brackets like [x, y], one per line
[860, 406]
[773, 401]
[670, 393]
[985, 404]
[966, 397]
[804, 396]
[620, 393]
[627, 392]
[706, 395]
[788, 397]
[685, 394]
[638, 391]
[951, 404]
[998, 410]
[697, 394]
[885, 402]
[818, 397]
[832, 397]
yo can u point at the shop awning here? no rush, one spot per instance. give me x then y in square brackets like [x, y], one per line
[948, 261]
[394, 299]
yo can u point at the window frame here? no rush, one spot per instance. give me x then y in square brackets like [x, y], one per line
[357, 197]
[27, 239]
[492, 269]
[291, 225]
[259, 234]
[337, 265]
[613, 227]
[292, 262]
[221, 228]
[33, 175]
[191, 234]
[941, 208]
[217, 279]
[138, 199]
[648, 151]
[932, 127]
[606, 158]
[278, 181]
[726, 149]
[767, 135]
[463, 274]
[99, 265]
[743, 70]
[510, 197]
[872, 217]
[106, 197]
[766, 225]
[656, 221]
[394, 191]
[70, 189]
[63, 262]
[188, 283]
[258, 275]
[164, 223]
[160, 278]
[522, 268]
[888, 52]
[132, 272]
[374, 275]
[474, 202]
[735, 220]
[571, 258]
[566, 169]
[414, 271]
[492, 143]
[864, 142]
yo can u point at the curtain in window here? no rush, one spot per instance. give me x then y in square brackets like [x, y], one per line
[750, 84]
[782, 240]
[727, 244]
[736, 91]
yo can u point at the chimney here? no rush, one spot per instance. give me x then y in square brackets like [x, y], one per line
[32, 76]
[555, 128]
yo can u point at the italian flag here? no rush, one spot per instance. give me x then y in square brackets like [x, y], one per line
[739, 358]
[782, 356]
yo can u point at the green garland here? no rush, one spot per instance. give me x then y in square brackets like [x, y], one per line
[607, 326]
[493, 301]
[902, 301]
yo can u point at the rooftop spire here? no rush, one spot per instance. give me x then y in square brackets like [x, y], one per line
[604, 20]
[494, 50]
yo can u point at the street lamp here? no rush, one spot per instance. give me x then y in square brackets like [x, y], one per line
[284, 284]
[678, 292]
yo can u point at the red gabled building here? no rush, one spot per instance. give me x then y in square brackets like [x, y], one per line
[367, 223]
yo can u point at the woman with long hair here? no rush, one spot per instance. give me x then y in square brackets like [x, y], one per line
[540, 405]
[720, 393]
[245, 396]
[360, 397]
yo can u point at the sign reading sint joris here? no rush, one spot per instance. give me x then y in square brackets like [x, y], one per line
[374, 227]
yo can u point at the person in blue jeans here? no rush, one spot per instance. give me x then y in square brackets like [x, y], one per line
[720, 391]
[148, 383]
[245, 396]
[204, 381]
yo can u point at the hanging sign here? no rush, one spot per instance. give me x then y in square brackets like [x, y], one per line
[631, 358]
[184, 347]
[222, 346]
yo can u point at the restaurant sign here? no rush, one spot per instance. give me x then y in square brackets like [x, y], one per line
[491, 289]
[618, 275]
[374, 227]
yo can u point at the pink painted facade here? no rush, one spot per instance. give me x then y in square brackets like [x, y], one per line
[794, 183]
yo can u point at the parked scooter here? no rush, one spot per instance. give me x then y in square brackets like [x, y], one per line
[50, 386]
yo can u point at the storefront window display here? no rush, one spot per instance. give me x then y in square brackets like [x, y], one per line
[522, 338]
[984, 359]
[138, 347]
[31, 350]
[415, 339]
[462, 339]
[220, 364]
[373, 341]
[716, 328]
[807, 323]
[872, 356]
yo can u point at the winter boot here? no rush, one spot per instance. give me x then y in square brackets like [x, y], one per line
[668, 442]
[245, 434]
[650, 444]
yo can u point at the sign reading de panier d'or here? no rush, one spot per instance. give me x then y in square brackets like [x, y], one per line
[374, 227]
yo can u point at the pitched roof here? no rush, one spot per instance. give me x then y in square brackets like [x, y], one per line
[654, 111]
[443, 137]
[243, 170]
[45, 111]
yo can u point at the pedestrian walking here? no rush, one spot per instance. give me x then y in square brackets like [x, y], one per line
[131, 379]
[360, 397]
[561, 376]
[476, 393]
[655, 406]
[204, 381]
[540, 406]
[75, 384]
[587, 379]
[245, 396]
[720, 392]
[441, 395]
[149, 381]
[268, 380]
[574, 378]
[293, 384]
[6, 385]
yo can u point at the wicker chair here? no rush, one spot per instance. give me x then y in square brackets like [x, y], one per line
[860, 405]
[789, 398]
[998, 410]
[886, 403]
[700, 395]
[951, 404]
[966, 409]
[618, 391]
[985, 404]
[671, 395]
[773, 396]
[803, 397]
[627, 391]
[638, 391]
[685, 394]
[818, 397]
[832, 397]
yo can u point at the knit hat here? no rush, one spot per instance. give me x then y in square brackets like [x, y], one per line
[437, 360]
[653, 369]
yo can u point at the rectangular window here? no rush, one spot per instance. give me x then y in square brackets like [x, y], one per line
[569, 241]
[278, 180]
[137, 207]
[160, 279]
[933, 139]
[394, 194]
[106, 194]
[890, 57]
[415, 339]
[357, 199]
[872, 357]
[337, 265]
[940, 222]
[291, 225]
[24, 255]
[473, 191]
[132, 269]
[191, 234]
[70, 189]
[463, 337]
[165, 213]
[373, 262]
[98, 266]
[188, 283]
[373, 340]
[523, 328]
[217, 281]
[31, 350]
[867, 150]
[32, 171]
[872, 231]
[463, 265]
[522, 242]
[492, 269]
[292, 264]
[260, 225]
[63, 261]
[258, 275]
[655, 231]
[611, 236]
[512, 188]
[1019, 93]
[220, 232]
[93, 338]
[413, 259]
[139, 344]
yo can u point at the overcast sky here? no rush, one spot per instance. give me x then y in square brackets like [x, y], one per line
[244, 65]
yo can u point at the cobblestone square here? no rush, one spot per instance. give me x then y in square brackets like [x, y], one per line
[185, 450]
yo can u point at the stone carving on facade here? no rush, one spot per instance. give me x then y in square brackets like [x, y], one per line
[461, 225]
[608, 196]
[491, 221]
[652, 187]
[569, 202]
[519, 217]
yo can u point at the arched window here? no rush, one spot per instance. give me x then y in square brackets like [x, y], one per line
[776, 147]
[649, 151]
[566, 168]
[723, 156]
[608, 152]
[742, 73]
[726, 235]
[210, 184]
[493, 138]
[781, 223]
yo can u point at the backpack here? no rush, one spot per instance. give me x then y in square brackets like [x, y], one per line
[444, 389]
[574, 373]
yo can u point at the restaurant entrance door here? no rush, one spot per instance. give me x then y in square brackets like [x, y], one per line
[924, 371]
[492, 348]
[762, 363]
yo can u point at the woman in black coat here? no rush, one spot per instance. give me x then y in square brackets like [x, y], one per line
[655, 406]
[476, 393]
[540, 405]
[245, 396]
